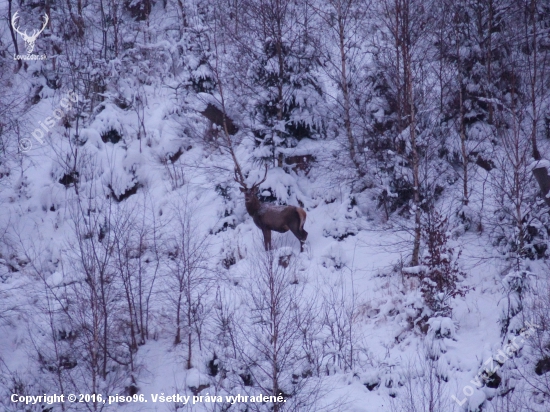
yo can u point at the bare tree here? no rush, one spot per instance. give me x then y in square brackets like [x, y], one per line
[137, 263]
[344, 20]
[188, 278]
[51, 330]
[406, 51]
[425, 389]
[512, 182]
[270, 344]
[340, 311]
[94, 299]
[535, 65]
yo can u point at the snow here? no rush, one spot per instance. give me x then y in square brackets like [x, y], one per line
[540, 164]
[369, 338]
[475, 402]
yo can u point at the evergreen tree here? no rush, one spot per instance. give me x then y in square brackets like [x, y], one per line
[286, 96]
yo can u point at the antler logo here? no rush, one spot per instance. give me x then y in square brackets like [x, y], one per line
[29, 39]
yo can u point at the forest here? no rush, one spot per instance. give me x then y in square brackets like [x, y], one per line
[275, 205]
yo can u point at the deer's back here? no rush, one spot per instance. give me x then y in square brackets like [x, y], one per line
[277, 218]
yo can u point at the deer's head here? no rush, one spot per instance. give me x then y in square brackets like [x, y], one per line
[250, 193]
[29, 39]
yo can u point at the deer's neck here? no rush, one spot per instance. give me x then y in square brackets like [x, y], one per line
[253, 206]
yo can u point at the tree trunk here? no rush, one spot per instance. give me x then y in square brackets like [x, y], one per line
[280, 97]
[13, 36]
[345, 92]
[533, 71]
[464, 152]
[189, 334]
[177, 339]
[408, 77]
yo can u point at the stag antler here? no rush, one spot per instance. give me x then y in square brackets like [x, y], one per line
[261, 181]
[240, 179]
[29, 39]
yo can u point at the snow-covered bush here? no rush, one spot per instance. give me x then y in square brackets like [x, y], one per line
[515, 284]
[439, 329]
[340, 229]
[422, 387]
[334, 258]
[533, 367]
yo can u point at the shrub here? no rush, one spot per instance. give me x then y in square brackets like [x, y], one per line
[442, 275]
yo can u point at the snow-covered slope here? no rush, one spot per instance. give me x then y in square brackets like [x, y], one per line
[132, 276]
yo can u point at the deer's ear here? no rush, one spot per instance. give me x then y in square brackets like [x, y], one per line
[242, 189]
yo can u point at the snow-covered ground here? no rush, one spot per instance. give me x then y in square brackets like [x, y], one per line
[362, 269]
[130, 268]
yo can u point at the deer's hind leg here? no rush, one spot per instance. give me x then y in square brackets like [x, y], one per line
[300, 234]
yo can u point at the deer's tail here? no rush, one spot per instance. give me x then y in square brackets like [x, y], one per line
[302, 214]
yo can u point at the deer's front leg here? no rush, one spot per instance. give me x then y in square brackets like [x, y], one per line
[267, 239]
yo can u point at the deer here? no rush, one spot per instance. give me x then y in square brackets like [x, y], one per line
[270, 217]
[30, 40]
